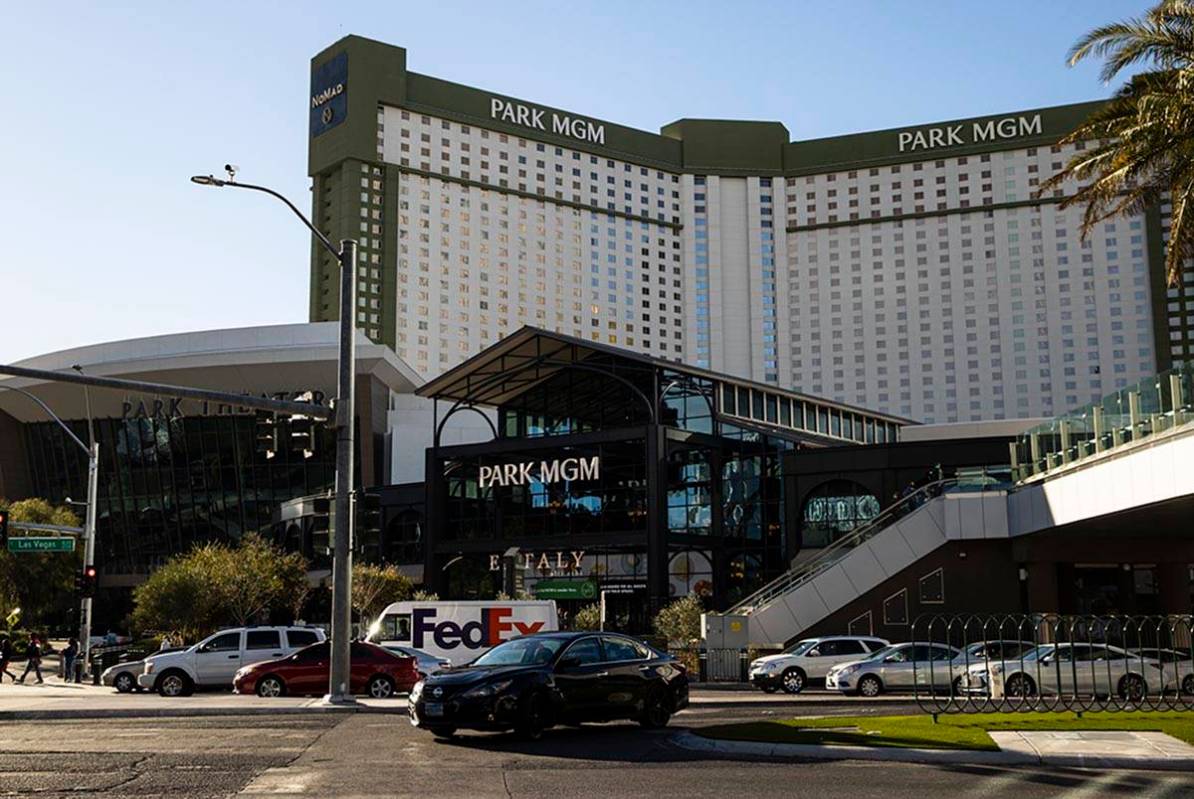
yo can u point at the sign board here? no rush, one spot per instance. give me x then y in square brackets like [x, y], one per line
[565, 589]
[31, 544]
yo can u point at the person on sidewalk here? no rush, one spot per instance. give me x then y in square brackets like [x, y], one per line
[33, 654]
[69, 656]
[5, 657]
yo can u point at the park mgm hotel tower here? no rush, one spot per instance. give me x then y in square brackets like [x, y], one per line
[912, 270]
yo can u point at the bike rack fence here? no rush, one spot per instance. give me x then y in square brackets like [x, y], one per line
[1018, 663]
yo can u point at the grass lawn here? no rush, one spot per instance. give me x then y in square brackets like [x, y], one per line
[951, 732]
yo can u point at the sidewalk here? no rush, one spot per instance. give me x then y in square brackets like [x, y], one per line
[58, 699]
[1106, 750]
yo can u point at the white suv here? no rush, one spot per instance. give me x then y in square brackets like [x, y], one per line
[217, 658]
[809, 659]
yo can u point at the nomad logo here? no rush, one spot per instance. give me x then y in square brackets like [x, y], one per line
[327, 94]
[520, 474]
[531, 117]
[471, 635]
[975, 133]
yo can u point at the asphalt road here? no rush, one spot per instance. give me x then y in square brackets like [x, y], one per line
[381, 755]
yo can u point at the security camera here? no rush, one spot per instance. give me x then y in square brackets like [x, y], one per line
[231, 169]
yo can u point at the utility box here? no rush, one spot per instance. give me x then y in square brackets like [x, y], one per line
[723, 631]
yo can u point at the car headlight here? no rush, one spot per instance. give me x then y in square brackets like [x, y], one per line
[849, 669]
[149, 667]
[416, 691]
[488, 689]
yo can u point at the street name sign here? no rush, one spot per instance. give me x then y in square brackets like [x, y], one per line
[31, 544]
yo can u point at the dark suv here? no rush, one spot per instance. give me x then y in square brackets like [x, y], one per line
[531, 683]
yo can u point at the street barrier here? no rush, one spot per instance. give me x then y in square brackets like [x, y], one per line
[970, 663]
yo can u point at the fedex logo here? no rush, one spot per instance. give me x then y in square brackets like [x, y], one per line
[472, 635]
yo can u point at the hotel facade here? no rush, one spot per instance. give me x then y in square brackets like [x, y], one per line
[911, 270]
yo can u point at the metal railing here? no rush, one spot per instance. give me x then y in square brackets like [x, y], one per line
[1152, 406]
[1020, 663]
[979, 480]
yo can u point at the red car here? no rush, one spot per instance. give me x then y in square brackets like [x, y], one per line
[375, 672]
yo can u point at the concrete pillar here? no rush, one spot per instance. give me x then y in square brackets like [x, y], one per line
[1064, 427]
[1098, 422]
[1134, 413]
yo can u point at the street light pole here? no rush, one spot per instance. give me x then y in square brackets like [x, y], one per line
[89, 525]
[339, 692]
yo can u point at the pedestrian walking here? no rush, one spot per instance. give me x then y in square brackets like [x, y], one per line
[5, 657]
[69, 656]
[33, 662]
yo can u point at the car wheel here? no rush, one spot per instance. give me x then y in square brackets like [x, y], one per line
[656, 710]
[1020, 685]
[536, 717]
[124, 683]
[1188, 685]
[380, 687]
[792, 681]
[1132, 688]
[769, 689]
[271, 686]
[442, 732]
[174, 683]
[869, 686]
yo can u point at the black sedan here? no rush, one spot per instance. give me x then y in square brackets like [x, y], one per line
[532, 683]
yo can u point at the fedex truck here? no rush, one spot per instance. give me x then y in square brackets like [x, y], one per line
[460, 631]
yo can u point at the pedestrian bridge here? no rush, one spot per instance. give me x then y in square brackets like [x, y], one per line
[1136, 469]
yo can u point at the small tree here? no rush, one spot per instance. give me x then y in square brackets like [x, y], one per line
[680, 621]
[587, 618]
[214, 585]
[40, 584]
[425, 596]
[376, 587]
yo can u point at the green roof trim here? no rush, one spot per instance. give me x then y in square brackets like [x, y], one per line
[377, 75]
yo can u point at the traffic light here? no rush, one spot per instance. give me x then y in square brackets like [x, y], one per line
[302, 428]
[321, 509]
[265, 434]
[85, 581]
[3, 528]
[367, 530]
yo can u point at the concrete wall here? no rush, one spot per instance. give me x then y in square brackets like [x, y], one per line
[412, 429]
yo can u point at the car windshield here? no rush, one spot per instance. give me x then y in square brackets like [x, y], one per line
[521, 652]
[879, 654]
[1040, 652]
[800, 647]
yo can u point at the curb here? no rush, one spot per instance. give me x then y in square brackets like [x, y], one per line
[715, 747]
[191, 712]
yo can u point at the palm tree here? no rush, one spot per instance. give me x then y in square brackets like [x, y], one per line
[1141, 142]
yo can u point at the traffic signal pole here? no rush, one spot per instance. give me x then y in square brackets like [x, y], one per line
[88, 552]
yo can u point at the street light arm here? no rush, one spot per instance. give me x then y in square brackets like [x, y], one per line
[51, 414]
[324, 240]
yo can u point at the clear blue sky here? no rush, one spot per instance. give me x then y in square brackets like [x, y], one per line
[110, 107]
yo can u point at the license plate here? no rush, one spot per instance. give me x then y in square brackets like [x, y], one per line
[433, 709]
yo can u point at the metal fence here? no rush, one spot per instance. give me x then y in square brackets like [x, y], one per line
[1049, 662]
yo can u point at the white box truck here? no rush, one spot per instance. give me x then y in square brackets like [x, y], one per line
[461, 631]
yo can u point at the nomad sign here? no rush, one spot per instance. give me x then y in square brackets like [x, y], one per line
[520, 474]
[30, 544]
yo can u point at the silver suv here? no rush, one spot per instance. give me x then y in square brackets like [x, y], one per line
[809, 659]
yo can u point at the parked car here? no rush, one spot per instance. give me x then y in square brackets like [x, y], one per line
[894, 668]
[531, 683]
[123, 676]
[809, 660]
[215, 660]
[1177, 665]
[1072, 670]
[982, 653]
[424, 662]
[373, 671]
